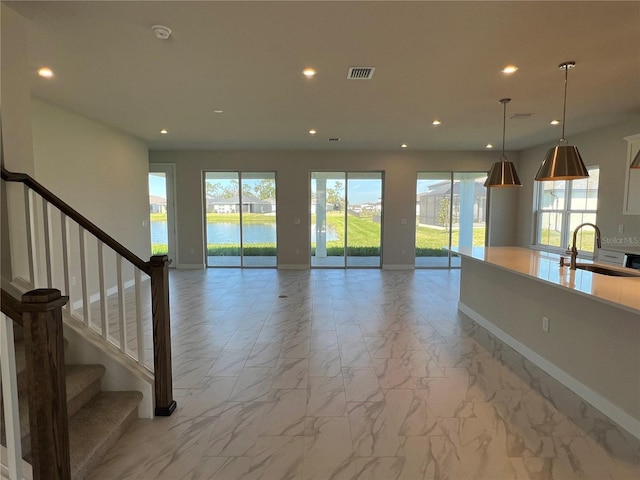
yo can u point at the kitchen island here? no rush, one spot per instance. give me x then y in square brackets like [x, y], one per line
[590, 342]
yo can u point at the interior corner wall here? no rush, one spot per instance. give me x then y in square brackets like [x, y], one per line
[605, 147]
[15, 95]
[99, 171]
[293, 170]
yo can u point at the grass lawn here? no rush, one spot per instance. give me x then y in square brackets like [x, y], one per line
[364, 235]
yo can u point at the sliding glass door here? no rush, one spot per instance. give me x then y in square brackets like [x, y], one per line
[346, 219]
[240, 219]
[451, 211]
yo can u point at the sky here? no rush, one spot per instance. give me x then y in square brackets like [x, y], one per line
[360, 191]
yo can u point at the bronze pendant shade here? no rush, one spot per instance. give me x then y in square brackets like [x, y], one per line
[636, 161]
[503, 173]
[562, 162]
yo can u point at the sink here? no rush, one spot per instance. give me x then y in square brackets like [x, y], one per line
[607, 271]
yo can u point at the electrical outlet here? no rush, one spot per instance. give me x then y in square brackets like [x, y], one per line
[545, 324]
[620, 228]
[297, 251]
[403, 221]
[73, 280]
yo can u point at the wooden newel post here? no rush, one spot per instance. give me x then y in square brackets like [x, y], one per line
[165, 404]
[44, 354]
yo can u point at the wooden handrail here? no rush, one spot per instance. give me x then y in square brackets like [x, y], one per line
[11, 307]
[77, 217]
[156, 268]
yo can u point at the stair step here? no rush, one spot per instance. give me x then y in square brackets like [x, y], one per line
[83, 383]
[97, 426]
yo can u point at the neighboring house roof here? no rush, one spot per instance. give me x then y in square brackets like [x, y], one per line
[156, 200]
[235, 200]
[444, 188]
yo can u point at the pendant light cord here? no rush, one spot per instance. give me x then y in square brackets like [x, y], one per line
[504, 127]
[504, 102]
[564, 108]
[565, 66]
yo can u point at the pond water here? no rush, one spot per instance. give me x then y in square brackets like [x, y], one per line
[230, 233]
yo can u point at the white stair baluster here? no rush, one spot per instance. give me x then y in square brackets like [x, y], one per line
[83, 274]
[47, 241]
[10, 398]
[104, 320]
[139, 320]
[29, 216]
[122, 316]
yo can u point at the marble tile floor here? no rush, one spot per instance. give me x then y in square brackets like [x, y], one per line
[356, 374]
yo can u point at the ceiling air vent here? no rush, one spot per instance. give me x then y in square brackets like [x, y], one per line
[521, 116]
[360, 73]
[333, 139]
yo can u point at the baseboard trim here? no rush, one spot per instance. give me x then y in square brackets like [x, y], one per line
[190, 266]
[619, 416]
[77, 305]
[293, 266]
[387, 266]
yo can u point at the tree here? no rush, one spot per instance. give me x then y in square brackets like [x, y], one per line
[214, 189]
[246, 189]
[335, 195]
[265, 189]
[444, 209]
[230, 190]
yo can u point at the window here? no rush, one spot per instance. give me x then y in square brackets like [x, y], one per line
[561, 206]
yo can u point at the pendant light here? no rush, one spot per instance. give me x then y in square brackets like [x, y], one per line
[503, 173]
[563, 162]
[636, 161]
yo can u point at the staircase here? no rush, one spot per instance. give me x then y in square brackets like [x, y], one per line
[97, 419]
[54, 251]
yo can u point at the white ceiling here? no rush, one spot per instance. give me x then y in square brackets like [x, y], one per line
[433, 60]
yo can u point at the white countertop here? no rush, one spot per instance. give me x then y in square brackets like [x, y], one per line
[623, 292]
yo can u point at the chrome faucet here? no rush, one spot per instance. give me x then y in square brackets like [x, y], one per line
[574, 249]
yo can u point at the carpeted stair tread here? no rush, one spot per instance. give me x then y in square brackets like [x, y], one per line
[97, 426]
[83, 383]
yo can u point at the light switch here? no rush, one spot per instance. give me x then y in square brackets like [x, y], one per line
[296, 221]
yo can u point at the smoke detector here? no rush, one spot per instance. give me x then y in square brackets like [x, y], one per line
[161, 32]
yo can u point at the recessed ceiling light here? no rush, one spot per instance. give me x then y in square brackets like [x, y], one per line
[164, 131]
[509, 69]
[489, 145]
[555, 122]
[218, 111]
[404, 145]
[312, 131]
[436, 122]
[45, 72]
[309, 72]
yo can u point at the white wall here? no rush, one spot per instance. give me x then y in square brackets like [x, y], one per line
[99, 171]
[604, 147]
[293, 191]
